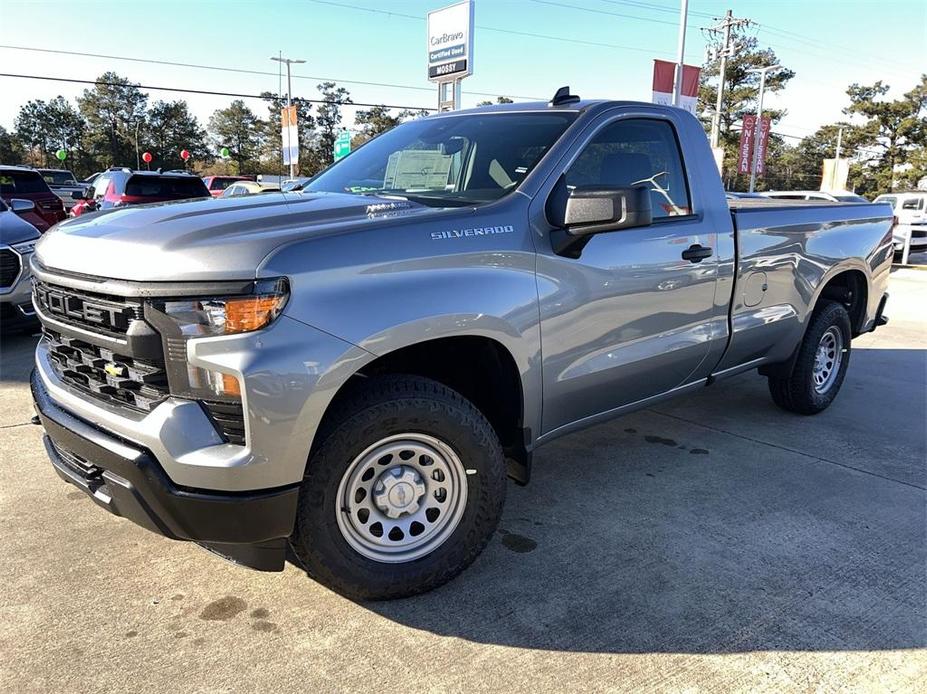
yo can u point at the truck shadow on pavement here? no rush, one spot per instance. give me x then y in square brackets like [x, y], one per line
[713, 524]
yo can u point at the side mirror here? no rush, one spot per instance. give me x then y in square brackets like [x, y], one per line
[586, 210]
[19, 206]
[79, 195]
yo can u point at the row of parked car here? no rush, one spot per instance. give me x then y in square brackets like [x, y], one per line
[34, 200]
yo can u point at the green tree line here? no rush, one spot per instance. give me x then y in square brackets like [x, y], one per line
[107, 121]
[884, 139]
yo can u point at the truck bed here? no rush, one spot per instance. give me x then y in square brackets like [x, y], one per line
[785, 252]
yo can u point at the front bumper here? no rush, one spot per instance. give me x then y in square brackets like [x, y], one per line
[289, 372]
[249, 528]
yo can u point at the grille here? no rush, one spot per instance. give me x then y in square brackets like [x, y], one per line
[9, 267]
[137, 383]
[229, 420]
[100, 313]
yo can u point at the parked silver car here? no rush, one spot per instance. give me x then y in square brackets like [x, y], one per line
[17, 241]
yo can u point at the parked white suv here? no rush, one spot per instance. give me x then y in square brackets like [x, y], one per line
[910, 219]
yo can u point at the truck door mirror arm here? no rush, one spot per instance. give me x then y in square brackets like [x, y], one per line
[583, 211]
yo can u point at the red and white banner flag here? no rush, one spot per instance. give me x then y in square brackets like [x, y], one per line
[745, 153]
[764, 140]
[664, 73]
[747, 138]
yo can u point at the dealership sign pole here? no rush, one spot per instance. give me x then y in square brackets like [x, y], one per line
[449, 43]
[289, 131]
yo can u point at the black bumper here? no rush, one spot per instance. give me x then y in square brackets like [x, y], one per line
[249, 528]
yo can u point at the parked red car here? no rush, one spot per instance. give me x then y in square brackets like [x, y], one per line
[218, 184]
[27, 184]
[126, 187]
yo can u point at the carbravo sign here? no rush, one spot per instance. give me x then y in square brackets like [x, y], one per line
[450, 42]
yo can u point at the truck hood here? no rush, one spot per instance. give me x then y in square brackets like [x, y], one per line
[209, 239]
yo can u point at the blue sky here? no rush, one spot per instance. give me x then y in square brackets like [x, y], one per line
[601, 48]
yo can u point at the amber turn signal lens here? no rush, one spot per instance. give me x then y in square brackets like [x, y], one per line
[230, 385]
[251, 312]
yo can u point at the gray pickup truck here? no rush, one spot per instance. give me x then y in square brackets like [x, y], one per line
[346, 375]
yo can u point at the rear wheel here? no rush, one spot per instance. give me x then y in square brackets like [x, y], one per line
[402, 494]
[823, 358]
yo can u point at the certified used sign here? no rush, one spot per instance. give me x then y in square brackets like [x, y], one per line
[450, 42]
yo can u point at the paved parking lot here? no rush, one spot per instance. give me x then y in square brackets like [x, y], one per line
[713, 542]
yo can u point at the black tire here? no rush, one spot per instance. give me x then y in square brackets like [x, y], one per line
[379, 408]
[797, 393]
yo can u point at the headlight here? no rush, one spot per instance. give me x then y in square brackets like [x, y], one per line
[229, 315]
[184, 319]
[24, 247]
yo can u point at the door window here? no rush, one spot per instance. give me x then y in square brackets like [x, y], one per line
[636, 152]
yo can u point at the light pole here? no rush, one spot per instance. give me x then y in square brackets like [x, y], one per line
[758, 127]
[138, 161]
[289, 90]
[683, 18]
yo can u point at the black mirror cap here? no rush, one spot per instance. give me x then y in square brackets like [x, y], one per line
[78, 195]
[587, 210]
[590, 210]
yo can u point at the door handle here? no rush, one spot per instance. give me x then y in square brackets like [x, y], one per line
[696, 253]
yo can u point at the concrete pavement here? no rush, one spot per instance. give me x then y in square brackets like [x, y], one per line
[713, 542]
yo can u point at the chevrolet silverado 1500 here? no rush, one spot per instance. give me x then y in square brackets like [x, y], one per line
[351, 371]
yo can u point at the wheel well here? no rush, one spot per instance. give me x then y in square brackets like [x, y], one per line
[849, 288]
[479, 368]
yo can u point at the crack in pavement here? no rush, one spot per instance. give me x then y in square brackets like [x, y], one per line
[786, 448]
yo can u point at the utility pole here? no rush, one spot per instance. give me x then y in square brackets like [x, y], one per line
[725, 51]
[759, 121]
[683, 18]
[289, 97]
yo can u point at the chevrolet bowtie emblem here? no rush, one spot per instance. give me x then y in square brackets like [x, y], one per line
[114, 370]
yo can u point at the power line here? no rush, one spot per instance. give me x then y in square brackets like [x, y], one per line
[513, 32]
[244, 71]
[209, 93]
[611, 14]
[660, 8]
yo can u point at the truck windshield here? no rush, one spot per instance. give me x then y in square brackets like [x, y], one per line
[455, 160]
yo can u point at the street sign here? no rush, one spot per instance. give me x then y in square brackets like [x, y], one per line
[342, 145]
[450, 42]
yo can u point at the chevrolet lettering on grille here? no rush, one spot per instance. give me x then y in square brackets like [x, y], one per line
[71, 306]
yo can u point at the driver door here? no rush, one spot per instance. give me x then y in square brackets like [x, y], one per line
[630, 318]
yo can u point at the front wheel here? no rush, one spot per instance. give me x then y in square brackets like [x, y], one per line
[821, 364]
[402, 494]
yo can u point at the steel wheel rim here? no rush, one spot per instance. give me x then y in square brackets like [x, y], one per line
[411, 488]
[827, 359]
